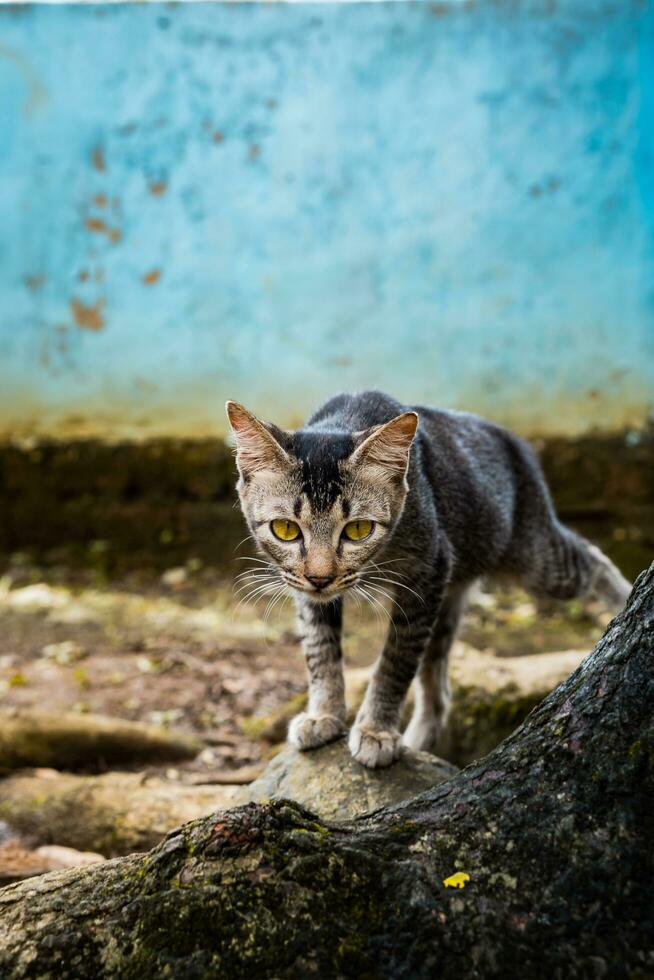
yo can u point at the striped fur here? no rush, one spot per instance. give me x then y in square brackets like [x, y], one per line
[463, 499]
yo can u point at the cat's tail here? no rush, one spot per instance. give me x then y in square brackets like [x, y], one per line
[569, 567]
[547, 557]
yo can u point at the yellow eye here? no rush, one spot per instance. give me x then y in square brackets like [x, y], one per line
[285, 530]
[357, 530]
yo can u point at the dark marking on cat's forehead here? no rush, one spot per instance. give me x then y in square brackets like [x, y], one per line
[319, 455]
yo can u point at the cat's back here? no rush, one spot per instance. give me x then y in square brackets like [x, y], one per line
[469, 456]
[355, 412]
[456, 449]
[450, 433]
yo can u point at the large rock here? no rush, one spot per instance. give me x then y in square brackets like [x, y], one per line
[492, 695]
[331, 784]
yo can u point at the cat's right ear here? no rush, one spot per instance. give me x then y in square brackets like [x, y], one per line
[257, 450]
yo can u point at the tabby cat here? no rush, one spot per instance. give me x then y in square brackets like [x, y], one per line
[382, 500]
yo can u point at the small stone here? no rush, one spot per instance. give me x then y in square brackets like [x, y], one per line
[331, 784]
[173, 578]
[63, 653]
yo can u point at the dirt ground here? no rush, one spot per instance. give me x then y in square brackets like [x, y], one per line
[178, 649]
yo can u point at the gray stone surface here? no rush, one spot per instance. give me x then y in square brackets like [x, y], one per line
[330, 783]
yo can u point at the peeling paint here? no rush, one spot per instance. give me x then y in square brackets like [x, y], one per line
[457, 208]
[35, 282]
[36, 93]
[98, 159]
[88, 316]
[100, 227]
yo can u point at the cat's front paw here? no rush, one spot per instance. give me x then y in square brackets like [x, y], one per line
[311, 731]
[374, 747]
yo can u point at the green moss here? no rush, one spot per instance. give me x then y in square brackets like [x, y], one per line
[480, 720]
[273, 727]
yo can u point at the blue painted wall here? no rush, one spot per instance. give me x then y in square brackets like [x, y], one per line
[453, 201]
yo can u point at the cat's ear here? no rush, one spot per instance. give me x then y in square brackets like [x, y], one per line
[386, 447]
[257, 449]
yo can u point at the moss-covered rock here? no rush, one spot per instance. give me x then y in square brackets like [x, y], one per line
[114, 813]
[330, 783]
[75, 741]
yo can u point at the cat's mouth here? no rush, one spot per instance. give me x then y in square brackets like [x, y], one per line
[323, 590]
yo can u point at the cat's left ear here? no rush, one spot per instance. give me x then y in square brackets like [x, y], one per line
[257, 449]
[386, 447]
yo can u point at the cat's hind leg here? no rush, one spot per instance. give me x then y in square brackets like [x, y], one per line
[432, 693]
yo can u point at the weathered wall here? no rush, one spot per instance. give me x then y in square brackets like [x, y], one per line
[453, 201]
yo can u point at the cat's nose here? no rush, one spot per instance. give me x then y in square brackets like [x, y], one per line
[320, 581]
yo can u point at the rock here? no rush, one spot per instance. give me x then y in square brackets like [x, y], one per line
[59, 857]
[114, 813]
[64, 653]
[174, 578]
[492, 695]
[330, 783]
[18, 861]
[73, 741]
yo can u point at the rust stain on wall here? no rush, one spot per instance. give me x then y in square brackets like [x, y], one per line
[98, 159]
[99, 227]
[87, 317]
[149, 278]
[35, 282]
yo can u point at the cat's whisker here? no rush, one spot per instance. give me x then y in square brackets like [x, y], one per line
[249, 571]
[263, 587]
[387, 561]
[253, 585]
[261, 561]
[399, 585]
[391, 561]
[257, 593]
[246, 538]
[257, 580]
[376, 604]
[390, 597]
[252, 572]
[359, 592]
[279, 595]
[356, 599]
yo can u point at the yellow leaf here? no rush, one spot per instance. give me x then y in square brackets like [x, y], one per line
[458, 880]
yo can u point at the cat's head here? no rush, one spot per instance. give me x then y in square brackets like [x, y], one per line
[320, 505]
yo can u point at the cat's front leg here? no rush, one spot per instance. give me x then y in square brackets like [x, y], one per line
[375, 738]
[324, 720]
